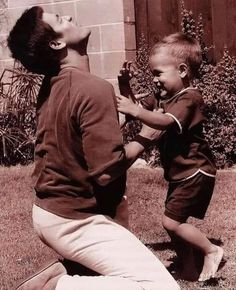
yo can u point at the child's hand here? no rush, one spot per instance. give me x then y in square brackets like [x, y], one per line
[125, 75]
[159, 110]
[126, 106]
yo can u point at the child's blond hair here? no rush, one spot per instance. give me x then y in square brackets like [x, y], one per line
[184, 49]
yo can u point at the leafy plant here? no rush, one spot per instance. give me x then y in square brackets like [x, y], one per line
[195, 29]
[142, 82]
[18, 91]
[217, 83]
[218, 86]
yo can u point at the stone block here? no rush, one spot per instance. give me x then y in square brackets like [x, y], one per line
[92, 12]
[63, 0]
[3, 5]
[106, 65]
[130, 55]
[65, 8]
[4, 51]
[129, 12]
[94, 44]
[112, 62]
[114, 83]
[8, 18]
[95, 62]
[130, 39]
[25, 3]
[113, 37]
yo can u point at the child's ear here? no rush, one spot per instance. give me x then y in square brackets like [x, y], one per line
[57, 44]
[183, 70]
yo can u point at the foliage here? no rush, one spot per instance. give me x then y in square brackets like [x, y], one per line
[217, 83]
[18, 91]
[194, 29]
[218, 86]
[142, 82]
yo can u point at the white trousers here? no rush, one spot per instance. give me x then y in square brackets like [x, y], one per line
[106, 247]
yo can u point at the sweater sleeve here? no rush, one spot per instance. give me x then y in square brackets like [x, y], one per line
[101, 137]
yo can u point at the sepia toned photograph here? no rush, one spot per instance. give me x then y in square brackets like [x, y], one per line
[117, 144]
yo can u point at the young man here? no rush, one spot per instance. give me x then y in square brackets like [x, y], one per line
[80, 164]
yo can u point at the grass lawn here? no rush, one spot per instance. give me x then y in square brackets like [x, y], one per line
[21, 251]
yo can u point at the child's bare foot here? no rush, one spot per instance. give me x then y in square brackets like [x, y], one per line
[211, 264]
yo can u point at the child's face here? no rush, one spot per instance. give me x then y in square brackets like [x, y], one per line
[167, 75]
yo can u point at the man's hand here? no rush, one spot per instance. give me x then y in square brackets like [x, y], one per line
[150, 133]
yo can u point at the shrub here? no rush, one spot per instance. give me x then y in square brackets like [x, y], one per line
[142, 82]
[218, 86]
[17, 115]
[217, 83]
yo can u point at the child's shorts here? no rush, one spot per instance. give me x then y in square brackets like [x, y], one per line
[189, 198]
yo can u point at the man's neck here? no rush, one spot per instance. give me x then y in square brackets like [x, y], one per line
[76, 59]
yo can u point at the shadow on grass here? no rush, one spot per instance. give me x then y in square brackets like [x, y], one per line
[160, 246]
[175, 264]
[168, 245]
[213, 282]
[217, 242]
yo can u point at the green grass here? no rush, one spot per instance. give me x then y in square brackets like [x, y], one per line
[21, 252]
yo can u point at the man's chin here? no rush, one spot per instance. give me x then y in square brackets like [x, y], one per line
[86, 32]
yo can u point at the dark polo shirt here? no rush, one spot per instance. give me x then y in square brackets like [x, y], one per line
[183, 148]
[78, 137]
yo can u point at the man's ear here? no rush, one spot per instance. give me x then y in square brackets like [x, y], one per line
[57, 44]
[183, 70]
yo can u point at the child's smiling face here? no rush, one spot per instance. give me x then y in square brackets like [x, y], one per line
[166, 72]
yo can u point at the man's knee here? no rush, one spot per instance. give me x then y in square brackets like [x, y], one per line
[168, 285]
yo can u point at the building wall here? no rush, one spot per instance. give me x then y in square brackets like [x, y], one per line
[111, 21]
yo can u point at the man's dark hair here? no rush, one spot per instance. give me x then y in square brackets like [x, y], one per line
[29, 41]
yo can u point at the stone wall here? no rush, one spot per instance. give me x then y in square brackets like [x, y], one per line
[111, 21]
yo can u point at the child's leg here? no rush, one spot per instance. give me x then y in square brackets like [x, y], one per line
[212, 253]
[186, 266]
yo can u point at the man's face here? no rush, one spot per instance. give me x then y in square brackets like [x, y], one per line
[166, 73]
[69, 32]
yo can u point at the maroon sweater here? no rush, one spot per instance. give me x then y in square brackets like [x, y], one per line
[78, 137]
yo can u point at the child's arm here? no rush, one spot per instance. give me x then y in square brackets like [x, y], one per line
[155, 119]
[127, 72]
[146, 137]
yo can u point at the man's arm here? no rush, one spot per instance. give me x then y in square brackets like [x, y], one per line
[132, 151]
